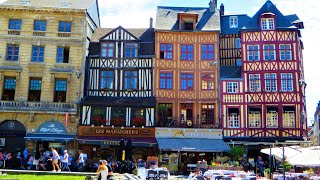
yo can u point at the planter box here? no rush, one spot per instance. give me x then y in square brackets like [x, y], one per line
[204, 166]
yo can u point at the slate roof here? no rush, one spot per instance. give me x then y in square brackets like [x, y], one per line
[243, 19]
[282, 22]
[167, 18]
[230, 71]
[145, 35]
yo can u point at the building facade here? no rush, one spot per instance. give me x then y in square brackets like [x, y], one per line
[43, 50]
[264, 98]
[314, 133]
[119, 100]
[186, 80]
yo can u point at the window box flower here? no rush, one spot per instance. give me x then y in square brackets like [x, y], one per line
[138, 121]
[118, 122]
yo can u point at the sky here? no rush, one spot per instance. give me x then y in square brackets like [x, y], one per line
[136, 13]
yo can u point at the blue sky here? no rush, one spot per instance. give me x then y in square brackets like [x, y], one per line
[136, 13]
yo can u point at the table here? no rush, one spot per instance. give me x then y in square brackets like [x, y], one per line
[143, 172]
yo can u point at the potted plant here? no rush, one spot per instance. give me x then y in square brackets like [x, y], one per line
[138, 121]
[267, 173]
[118, 122]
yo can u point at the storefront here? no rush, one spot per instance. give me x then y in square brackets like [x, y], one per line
[12, 135]
[180, 148]
[106, 142]
[51, 134]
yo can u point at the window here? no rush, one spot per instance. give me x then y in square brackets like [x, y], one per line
[165, 115]
[269, 52]
[37, 54]
[254, 117]
[9, 88]
[253, 53]
[34, 89]
[232, 87]
[166, 51]
[207, 114]
[271, 82]
[165, 80]
[272, 117]
[233, 21]
[130, 80]
[233, 118]
[107, 50]
[98, 116]
[285, 52]
[187, 52]
[40, 25]
[267, 23]
[64, 26]
[12, 53]
[186, 81]
[15, 24]
[118, 117]
[63, 55]
[238, 43]
[207, 81]
[131, 50]
[106, 80]
[60, 91]
[288, 117]
[207, 52]
[254, 83]
[286, 82]
[138, 117]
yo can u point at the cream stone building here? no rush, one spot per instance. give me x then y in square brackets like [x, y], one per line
[43, 47]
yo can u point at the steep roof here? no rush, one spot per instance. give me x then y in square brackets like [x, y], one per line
[243, 19]
[73, 4]
[145, 36]
[282, 22]
[230, 71]
[166, 18]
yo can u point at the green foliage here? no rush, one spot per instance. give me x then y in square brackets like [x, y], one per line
[236, 153]
[286, 165]
[267, 170]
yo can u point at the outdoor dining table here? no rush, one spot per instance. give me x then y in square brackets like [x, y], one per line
[237, 174]
[143, 172]
[315, 177]
[290, 176]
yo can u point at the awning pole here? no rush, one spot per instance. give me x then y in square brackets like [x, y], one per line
[270, 159]
[284, 169]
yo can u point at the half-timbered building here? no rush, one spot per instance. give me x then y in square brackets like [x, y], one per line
[267, 102]
[186, 81]
[119, 100]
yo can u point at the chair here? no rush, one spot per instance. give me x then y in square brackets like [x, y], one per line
[218, 177]
[152, 174]
[163, 174]
[226, 178]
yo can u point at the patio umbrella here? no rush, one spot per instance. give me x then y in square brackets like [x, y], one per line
[308, 157]
[277, 152]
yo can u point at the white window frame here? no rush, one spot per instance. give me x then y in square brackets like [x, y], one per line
[267, 23]
[233, 21]
[269, 50]
[287, 82]
[270, 82]
[253, 51]
[254, 83]
[233, 120]
[254, 119]
[272, 119]
[232, 87]
[284, 51]
[288, 119]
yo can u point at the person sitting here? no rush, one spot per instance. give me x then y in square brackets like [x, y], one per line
[29, 161]
[102, 171]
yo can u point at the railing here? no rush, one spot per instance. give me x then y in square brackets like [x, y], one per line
[39, 33]
[14, 32]
[38, 106]
[175, 122]
[64, 34]
[78, 35]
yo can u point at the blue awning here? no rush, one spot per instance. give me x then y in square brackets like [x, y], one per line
[49, 137]
[192, 145]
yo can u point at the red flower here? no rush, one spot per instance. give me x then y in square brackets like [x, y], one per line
[118, 122]
[138, 121]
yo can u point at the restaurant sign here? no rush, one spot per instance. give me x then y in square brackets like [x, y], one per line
[114, 132]
[52, 127]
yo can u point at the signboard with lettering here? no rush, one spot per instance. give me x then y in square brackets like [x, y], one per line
[116, 131]
[52, 127]
[188, 133]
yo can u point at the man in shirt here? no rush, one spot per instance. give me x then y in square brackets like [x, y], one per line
[65, 161]
[80, 161]
[55, 159]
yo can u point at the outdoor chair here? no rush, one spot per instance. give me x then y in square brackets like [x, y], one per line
[218, 177]
[163, 174]
[152, 174]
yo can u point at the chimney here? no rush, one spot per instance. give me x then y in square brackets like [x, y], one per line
[212, 6]
[221, 9]
[151, 22]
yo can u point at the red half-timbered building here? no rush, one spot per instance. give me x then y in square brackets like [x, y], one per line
[265, 100]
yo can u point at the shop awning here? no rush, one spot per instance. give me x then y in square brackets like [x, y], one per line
[49, 137]
[108, 141]
[192, 145]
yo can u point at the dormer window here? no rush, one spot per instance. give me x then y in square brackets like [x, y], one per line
[187, 21]
[267, 23]
[233, 21]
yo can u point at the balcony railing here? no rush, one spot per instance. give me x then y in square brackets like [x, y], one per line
[175, 122]
[38, 106]
[14, 32]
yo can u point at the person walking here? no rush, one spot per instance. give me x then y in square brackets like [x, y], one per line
[65, 161]
[55, 158]
[80, 162]
[102, 171]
